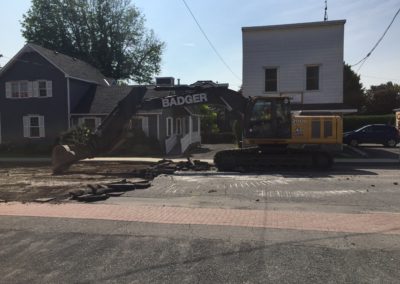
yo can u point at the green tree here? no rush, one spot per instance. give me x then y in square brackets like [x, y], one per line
[208, 120]
[109, 34]
[353, 91]
[382, 99]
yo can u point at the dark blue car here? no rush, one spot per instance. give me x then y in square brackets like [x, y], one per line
[374, 133]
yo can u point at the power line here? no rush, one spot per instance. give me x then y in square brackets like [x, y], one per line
[209, 41]
[376, 77]
[362, 61]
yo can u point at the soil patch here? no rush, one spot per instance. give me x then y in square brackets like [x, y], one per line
[27, 182]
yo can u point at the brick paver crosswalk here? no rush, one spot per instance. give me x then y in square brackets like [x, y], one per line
[369, 222]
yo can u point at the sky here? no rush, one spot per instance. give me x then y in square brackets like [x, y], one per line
[189, 57]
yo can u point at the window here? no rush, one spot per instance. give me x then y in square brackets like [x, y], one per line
[169, 126]
[179, 126]
[315, 129]
[312, 80]
[42, 89]
[18, 89]
[33, 126]
[271, 79]
[195, 123]
[26, 89]
[261, 111]
[186, 125]
[136, 123]
[90, 122]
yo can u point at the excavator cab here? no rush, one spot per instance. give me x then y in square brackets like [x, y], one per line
[269, 118]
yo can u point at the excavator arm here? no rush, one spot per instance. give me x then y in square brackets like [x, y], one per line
[110, 133]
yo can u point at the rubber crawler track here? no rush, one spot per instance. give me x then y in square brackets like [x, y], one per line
[256, 159]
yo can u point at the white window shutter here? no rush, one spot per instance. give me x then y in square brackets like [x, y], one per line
[41, 126]
[35, 89]
[8, 89]
[81, 121]
[49, 86]
[26, 125]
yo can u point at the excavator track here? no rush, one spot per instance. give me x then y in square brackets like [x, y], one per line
[259, 159]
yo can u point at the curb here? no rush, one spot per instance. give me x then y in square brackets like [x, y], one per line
[25, 160]
[155, 160]
[368, 161]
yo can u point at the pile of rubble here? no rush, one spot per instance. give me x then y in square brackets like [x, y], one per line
[97, 192]
[169, 167]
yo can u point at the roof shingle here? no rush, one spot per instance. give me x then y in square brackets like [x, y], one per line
[72, 67]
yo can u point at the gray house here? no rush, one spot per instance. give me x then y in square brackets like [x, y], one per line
[44, 93]
[175, 128]
[38, 90]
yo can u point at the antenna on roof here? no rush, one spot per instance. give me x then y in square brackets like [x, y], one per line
[326, 11]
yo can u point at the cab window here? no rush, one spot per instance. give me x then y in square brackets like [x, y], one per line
[261, 111]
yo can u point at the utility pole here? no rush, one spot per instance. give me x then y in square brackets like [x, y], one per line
[326, 11]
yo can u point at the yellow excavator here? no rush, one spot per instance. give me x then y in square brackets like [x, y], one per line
[273, 136]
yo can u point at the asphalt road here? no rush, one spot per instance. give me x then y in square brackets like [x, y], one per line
[65, 250]
[42, 250]
[345, 189]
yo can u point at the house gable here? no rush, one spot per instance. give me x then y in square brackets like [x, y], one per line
[292, 56]
[30, 67]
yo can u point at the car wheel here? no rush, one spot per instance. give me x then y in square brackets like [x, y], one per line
[391, 143]
[353, 142]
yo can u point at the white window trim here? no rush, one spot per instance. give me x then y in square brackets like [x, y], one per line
[36, 89]
[319, 78]
[26, 125]
[9, 93]
[145, 123]
[277, 79]
[33, 89]
[97, 120]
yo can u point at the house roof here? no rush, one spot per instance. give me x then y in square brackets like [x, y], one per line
[71, 67]
[102, 99]
[294, 26]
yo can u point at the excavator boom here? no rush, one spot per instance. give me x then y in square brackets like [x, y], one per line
[111, 131]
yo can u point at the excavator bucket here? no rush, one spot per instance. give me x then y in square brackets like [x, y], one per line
[63, 157]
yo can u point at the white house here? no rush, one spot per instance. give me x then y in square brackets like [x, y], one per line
[303, 61]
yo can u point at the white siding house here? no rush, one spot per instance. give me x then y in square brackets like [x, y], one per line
[304, 61]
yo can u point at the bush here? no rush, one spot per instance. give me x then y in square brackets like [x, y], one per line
[29, 149]
[76, 136]
[351, 122]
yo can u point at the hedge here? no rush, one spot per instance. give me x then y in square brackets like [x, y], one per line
[351, 122]
[216, 138]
